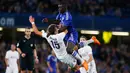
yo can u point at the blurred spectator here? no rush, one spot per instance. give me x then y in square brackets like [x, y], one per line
[17, 8]
[118, 12]
[40, 8]
[85, 7]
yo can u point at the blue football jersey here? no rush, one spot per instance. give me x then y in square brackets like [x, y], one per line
[52, 60]
[66, 20]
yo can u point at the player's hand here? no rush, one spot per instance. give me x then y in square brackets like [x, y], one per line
[36, 61]
[23, 55]
[51, 69]
[31, 19]
[45, 20]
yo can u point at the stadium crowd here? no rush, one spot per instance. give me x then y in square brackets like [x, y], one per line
[82, 7]
[109, 59]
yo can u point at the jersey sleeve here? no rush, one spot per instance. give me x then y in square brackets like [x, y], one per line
[61, 35]
[44, 34]
[7, 55]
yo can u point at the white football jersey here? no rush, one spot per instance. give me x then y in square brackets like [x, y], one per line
[85, 52]
[12, 57]
[57, 43]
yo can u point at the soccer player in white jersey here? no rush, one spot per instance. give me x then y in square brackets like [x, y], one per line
[57, 44]
[11, 60]
[86, 52]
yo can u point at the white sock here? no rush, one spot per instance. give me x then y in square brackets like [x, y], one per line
[89, 41]
[82, 70]
[77, 56]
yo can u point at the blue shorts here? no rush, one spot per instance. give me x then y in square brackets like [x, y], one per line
[72, 37]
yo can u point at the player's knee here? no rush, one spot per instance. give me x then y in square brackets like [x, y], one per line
[69, 50]
[71, 45]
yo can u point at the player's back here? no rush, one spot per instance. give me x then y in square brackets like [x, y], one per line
[57, 43]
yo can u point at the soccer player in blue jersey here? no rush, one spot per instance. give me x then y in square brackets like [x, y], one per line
[52, 63]
[64, 21]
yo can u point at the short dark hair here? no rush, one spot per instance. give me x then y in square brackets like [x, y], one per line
[63, 5]
[51, 29]
[83, 37]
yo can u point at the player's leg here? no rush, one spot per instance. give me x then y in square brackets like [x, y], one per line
[93, 39]
[15, 70]
[71, 61]
[8, 70]
[93, 68]
[72, 44]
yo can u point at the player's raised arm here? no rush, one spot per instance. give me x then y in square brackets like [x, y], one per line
[50, 21]
[35, 29]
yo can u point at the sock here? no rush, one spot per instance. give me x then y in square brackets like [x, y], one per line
[76, 55]
[82, 70]
[89, 41]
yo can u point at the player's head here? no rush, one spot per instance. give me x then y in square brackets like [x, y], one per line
[27, 31]
[62, 8]
[53, 53]
[13, 47]
[82, 41]
[52, 29]
[83, 38]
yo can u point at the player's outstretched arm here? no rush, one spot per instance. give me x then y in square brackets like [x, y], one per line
[50, 21]
[35, 29]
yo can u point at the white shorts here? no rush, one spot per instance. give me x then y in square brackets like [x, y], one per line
[11, 70]
[92, 67]
[68, 59]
